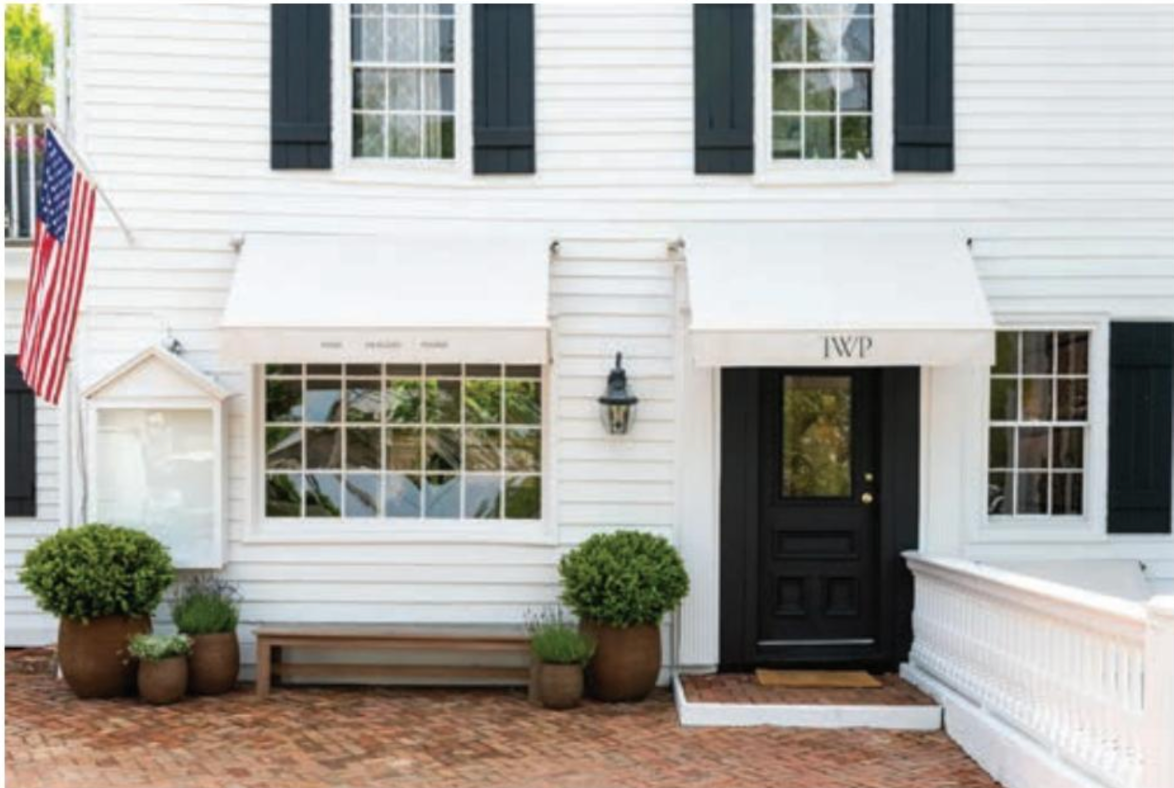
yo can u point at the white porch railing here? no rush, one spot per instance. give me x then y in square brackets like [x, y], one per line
[24, 146]
[1088, 677]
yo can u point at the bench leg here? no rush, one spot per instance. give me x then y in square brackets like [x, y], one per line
[264, 668]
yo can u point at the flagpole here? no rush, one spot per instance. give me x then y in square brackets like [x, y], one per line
[85, 167]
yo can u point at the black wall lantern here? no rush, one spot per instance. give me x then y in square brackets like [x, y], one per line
[618, 405]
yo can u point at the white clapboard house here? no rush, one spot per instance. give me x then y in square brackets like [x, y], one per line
[886, 281]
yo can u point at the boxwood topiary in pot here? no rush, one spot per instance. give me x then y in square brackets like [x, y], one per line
[102, 582]
[206, 610]
[620, 585]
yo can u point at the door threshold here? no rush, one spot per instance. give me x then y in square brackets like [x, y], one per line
[729, 700]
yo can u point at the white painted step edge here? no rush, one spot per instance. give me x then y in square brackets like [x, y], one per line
[734, 715]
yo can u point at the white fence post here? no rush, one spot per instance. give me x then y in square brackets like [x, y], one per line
[1158, 759]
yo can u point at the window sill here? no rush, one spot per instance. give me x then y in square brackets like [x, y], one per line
[462, 532]
[830, 175]
[1002, 530]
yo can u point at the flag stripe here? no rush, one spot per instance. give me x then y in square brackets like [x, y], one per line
[57, 271]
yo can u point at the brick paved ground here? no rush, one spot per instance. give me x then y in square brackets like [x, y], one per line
[744, 688]
[382, 737]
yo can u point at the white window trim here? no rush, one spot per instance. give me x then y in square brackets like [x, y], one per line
[389, 530]
[459, 169]
[771, 171]
[1090, 526]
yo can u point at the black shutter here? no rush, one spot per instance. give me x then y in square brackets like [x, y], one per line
[503, 88]
[723, 88]
[20, 444]
[1141, 409]
[923, 88]
[299, 111]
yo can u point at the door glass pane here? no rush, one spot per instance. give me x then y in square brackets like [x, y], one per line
[817, 439]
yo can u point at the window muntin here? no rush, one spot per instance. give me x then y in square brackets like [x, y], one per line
[822, 60]
[403, 80]
[1039, 423]
[362, 441]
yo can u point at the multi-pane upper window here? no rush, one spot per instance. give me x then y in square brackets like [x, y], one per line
[1038, 423]
[403, 76]
[822, 68]
[403, 441]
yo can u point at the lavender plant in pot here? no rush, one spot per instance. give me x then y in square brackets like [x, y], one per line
[206, 610]
[102, 582]
[560, 652]
[620, 585]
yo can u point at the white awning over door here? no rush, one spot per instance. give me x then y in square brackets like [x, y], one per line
[444, 298]
[781, 297]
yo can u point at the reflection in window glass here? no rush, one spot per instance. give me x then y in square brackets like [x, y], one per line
[1038, 423]
[403, 79]
[817, 436]
[403, 441]
[821, 81]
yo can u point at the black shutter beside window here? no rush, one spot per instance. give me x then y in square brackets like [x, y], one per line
[1141, 410]
[300, 87]
[923, 88]
[723, 88]
[503, 88]
[20, 444]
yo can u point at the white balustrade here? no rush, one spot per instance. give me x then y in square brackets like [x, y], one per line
[1088, 677]
[23, 150]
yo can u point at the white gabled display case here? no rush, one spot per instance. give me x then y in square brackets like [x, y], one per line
[156, 455]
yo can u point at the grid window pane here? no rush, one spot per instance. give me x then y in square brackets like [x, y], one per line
[403, 62]
[821, 81]
[1039, 410]
[365, 441]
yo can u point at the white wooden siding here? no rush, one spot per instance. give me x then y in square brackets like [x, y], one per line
[24, 624]
[1065, 179]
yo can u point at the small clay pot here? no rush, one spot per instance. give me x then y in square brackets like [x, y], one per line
[94, 657]
[164, 681]
[214, 664]
[560, 686]
[626, 661]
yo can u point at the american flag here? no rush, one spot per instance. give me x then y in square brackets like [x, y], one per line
[57, 272]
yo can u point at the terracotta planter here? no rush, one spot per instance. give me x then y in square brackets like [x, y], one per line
[164, 681]
[626, 661]
[560, 686]
[93, 656]
[214, 664]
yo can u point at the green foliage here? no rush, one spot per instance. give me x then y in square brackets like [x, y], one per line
[206, 605]
[156, 648]
[97, 570]
[28, 62]
[623, 578]
[556, 641]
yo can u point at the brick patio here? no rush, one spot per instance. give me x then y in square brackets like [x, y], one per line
[344, 737]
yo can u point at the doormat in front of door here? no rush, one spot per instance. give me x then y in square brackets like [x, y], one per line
[817, 679]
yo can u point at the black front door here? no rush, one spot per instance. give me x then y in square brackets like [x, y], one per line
[819, 497]
[817, 549]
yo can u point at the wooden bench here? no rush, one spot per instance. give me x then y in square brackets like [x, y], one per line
[470, 639]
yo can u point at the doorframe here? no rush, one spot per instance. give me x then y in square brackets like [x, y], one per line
[899, 471]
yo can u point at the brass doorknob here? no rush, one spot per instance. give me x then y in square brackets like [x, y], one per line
[866, 498]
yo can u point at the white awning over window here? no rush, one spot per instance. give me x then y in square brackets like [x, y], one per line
[448, 297]
[782, 297]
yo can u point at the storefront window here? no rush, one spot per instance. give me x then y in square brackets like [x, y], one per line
[446, 441]
[1038, 423]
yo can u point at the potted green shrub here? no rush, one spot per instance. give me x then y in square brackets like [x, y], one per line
[620, 585]
[163, 666]
[102, 582]
[560, 652]
[207, 611]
